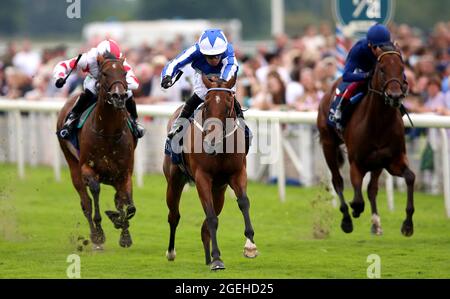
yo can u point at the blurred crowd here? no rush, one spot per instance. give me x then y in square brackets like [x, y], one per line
[290, 73]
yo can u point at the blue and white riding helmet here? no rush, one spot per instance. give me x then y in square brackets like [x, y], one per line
[212, 42]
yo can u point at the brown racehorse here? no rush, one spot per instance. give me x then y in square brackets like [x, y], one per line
[374, 137]
[212, 173]
[106, 153]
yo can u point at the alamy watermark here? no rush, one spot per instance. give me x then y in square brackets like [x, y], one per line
[374, 269]
[73, 10]
[74, 268]
[216, 136]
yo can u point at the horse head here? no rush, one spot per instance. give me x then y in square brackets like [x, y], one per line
[388, 80]
[218, 106]
[112, 80]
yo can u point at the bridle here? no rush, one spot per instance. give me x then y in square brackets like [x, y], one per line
[404, 85]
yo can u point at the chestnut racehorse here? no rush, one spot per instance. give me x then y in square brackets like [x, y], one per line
[212, 172]
[375, 140]
[106, 153]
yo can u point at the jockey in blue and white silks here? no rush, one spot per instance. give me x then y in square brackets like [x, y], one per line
[212, 55]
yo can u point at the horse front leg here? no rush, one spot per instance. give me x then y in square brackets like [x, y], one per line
[91, 180]
[125, 211]
[175, 184]
[204, 189]
[239, 184]
[372, 192]
[401, 169]
[356, 177]
[334, 158]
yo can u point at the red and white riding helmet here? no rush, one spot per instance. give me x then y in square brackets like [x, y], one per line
[110, 46]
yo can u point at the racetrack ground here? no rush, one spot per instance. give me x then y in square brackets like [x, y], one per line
[41, 220]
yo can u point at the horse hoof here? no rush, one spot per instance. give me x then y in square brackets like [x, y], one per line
[250, 253]
[347, 226]
[355, 214]
[217, 265]
[357, 208]
[407, 228]
[250, 250]
[125, 239]
[376, 230]
[131, 210]
[98, 237]
[114, 216]
[171, 255]
[97, 247]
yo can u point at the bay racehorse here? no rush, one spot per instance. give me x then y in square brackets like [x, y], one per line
[212, 171]
[375, 140]
[106, 153]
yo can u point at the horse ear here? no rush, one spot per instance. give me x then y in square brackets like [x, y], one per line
[206, 81]
[122, 60]
[230, 83]
[100, 59]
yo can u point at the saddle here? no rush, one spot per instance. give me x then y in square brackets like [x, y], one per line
[347, 96]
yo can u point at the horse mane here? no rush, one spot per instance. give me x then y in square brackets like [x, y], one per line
[389, 47]
[108, 55]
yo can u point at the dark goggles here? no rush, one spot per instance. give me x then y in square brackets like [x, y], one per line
[213, 56]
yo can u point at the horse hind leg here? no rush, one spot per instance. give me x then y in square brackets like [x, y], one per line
[356, 177]
[98, 236]
[372, 192]
[334, 158]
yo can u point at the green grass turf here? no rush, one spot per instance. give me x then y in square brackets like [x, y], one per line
[41, 219]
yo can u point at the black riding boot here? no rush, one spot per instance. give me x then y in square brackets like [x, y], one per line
[139, 130]
[237, 107]
[248, 132]
[188, 108]
[85, 99]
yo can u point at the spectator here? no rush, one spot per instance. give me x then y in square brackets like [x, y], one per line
[272, 94]
[27, 61]
[274, 64]
[309, 100]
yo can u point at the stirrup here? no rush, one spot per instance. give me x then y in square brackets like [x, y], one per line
[67, 128]
[176, 128]
[64, 133]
